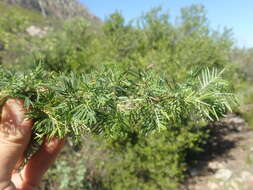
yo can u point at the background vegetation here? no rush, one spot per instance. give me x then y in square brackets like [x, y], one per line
[151, 43]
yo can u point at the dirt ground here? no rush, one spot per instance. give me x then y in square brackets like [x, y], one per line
[227, 163]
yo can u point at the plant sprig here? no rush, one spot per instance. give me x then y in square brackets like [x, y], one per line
[114, 102]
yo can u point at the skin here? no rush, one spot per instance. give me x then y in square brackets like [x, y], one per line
[15, 134]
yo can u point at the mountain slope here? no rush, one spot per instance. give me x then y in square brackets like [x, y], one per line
[57, 8]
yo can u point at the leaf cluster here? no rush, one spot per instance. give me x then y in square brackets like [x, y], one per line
[114, 102]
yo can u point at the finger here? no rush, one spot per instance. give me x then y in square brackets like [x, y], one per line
[14, 126]
[26, 124]
[41, 161]
[14, 136]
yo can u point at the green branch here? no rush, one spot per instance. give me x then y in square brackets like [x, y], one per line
[114, 102]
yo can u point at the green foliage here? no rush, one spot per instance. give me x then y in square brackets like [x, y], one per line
[65, 49]
[153, 162]
[128, 108]
[115, 101]
[146, 87]
[152, 41]
[72, 175]
[14, 21]
[243, 61]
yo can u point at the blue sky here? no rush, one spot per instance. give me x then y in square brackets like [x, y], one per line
[235, 14]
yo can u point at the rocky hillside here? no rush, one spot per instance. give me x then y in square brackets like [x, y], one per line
[57, 8]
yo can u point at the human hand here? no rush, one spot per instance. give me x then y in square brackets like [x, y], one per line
[15, 134]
